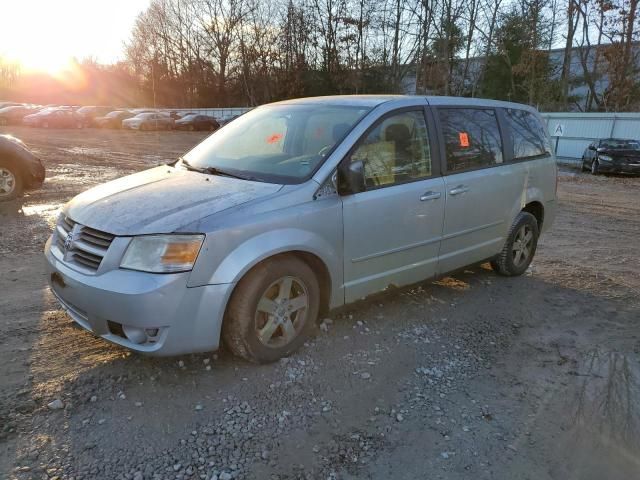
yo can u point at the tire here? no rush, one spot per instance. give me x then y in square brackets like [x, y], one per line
[508, 263]
[595, 167]
[11, 184]
[584, 167]
[264, 285]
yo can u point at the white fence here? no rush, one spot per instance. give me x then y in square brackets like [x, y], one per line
[571, 133]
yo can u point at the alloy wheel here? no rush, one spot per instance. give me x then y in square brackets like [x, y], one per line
[522, 245]
[281, 312]
[7, 182]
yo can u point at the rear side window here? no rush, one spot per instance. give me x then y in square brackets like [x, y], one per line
[472, 138]
[527, 135]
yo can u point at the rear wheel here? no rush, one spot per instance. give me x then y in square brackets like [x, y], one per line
[273, 310]
[520, 247]
[584, 166]
[10, 181]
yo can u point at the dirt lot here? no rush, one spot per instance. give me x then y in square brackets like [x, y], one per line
[470, 377]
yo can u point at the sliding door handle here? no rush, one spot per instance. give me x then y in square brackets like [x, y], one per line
[459, 190]
[430, 196]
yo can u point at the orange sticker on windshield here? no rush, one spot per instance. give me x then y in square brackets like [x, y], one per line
[464, 139]
[275, 138]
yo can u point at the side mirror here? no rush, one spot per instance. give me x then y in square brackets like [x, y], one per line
[351, 178]
[592, 147]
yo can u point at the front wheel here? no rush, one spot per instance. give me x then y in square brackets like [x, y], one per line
[595, 167]
[273, 310]
[520, 247]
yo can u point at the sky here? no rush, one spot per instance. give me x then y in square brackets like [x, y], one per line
[44, 34]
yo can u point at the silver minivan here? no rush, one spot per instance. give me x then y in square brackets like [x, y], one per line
[299, 207]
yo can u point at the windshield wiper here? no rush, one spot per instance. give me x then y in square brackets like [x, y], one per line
[214, 171]
[226, 173]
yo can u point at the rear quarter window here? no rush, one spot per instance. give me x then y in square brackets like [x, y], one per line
[528, 135]
[472, 138]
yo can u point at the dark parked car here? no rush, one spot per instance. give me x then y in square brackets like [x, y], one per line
[224, 121]
[90, 113]
[197, 122]
[13, 115]
[54, 118]
[20, 169]
[113, 119]
[613, 155]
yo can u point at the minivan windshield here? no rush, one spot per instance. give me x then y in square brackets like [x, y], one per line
[276, 143]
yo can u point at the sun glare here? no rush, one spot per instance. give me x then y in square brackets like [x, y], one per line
[45, 36]
[43, 61]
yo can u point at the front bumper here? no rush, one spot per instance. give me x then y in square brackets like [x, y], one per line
[126, 307]
[36, 174]
[619, 167]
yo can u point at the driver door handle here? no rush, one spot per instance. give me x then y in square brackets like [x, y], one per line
[459, 190]
[430, 196]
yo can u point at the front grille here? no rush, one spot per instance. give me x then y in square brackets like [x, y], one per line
[88, 246]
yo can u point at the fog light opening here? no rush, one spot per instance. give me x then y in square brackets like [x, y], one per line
[151, 332]
[135, 335]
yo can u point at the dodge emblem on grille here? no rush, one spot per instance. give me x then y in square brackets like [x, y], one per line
[68, 242]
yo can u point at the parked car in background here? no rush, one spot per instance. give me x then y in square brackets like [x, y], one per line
[90, 113]
[259, 229]
[224, 121]
[9, 104]
[13, 115]
[62, 117]
[612, 155]
[197, 122]
[113, 119]
[173, 114]
[20, 169]
[149, 121]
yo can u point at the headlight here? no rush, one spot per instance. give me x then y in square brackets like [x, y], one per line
[605, 158]
[162, 253]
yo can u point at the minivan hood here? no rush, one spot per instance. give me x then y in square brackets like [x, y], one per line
[161, 200]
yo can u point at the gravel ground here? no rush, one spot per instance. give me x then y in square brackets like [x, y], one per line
[473, 376]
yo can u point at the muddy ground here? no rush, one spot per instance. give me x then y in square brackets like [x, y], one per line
[471, 377]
